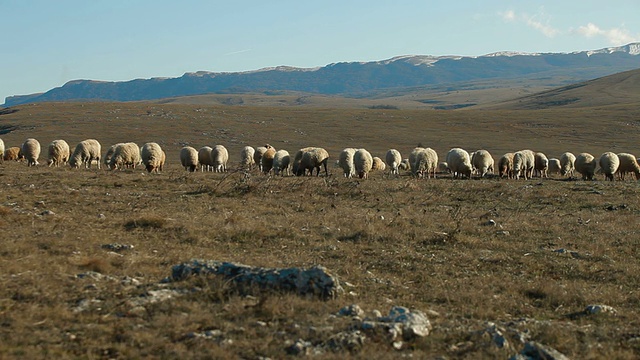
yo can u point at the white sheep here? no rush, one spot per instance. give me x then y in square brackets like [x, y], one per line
[125, 155]
[567, 164]
[443, 167]
[257, 156]
[541, 165]
[483, 162]
[86, 152]
[246, 157]
[204, 158]
[413, 156]
[31, 151]
[393, 160]
[378, 164]
[219, 158]
[554, 166]
[109, 154]
[426, 163]
[524, 162]
[404, 165]
[1, 150]
[363, 162]
[585, 164]
[346, 162]
[459, 163]
[266, 161]
[189, 158]
[313, 158]
[58, 153]
[153, 157]
[505, 166]
[13, 153]
[609, 164]
[628, 164]
[281, 161]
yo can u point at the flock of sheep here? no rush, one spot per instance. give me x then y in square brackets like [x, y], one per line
[422, 162]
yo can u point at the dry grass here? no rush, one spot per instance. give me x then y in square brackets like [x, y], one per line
[419, 244]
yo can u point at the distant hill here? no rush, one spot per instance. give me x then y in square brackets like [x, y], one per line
[359, 79]
[620, 88]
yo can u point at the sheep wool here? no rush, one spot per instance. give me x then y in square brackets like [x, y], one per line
[246, 157]
[152, 157]
[483, 162]
[219, 158]
[363, 162]
[585, 165]
[609, 163]
[628, 164]
[345, 161]
[554, 166]
[125, 155]
[189, 158]
[85, 153]
[505, 166]
[393, 160]
[31, 151]
[541, 164]
[459, 163]
[58, 153]
[567, 164]
[281, 162]
[204, 158]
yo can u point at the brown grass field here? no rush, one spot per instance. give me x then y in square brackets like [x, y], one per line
[559, 245]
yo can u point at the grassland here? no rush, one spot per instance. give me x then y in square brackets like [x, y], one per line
[557, 246]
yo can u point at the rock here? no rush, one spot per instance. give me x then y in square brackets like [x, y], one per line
[503, 233]
[597, 309]
[116, 247]
[315, 281]
[497, 338]
[300, 347]
[346, 340]
[536, 351]
[351, 310]
[414, 323]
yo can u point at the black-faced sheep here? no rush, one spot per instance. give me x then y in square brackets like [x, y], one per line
[189, 158]
[459, 163]
[85, 153]
[58, 153]
[152, 157]
[586, 165]
[31, 151]
[363, 162]
[609, 164]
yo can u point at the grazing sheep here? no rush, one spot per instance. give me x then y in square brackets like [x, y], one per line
[13, 153]
[483, 162]
[58, 153]
[585, 164]
[523, 164]
[393, 159]
[426, 162]
[541, 165]
[31, 151]
[459, 163]
[219, 158]
[204, 158]
[554, 166]
[109, 154]
[505, 165]
[413, 156]
[404, 165]
[125, 156]
[295, 166]
[246, 157]
[628, 164]
[267, 158]
[281, 162]
[443, 167]
[85, 153]
[378, 164]
[313, 158]
[567, 164]
[1, 150]
[257, 156]
[363, 163]
[189, 158]
[346, 162]
[152, 157]
[609, 164]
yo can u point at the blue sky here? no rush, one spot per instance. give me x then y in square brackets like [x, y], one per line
[45, 43]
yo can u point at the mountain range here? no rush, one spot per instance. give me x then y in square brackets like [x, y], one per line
[360, 79]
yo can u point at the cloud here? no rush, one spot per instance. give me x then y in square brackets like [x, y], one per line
[508, 15]
[615, 36]
[546, 29]
[530, 20]
[237, 52]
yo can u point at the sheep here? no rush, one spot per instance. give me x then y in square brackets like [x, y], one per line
[505, 166]
[628, 163]
[609, 164]
[58, 152]
[109, 154]
[346, 162]
[219, 158]
[281, 162]
[404, 165]
[459, 163]
[523, 164]
[204, 158]
[86, 152]
[483, 162]
[257, 156]
[393, 159]
[152, 157]
[426, 162]
[585, 164]
[311, 159]
[378, 164]
[13, 153]
[31, 151]
[1, 150]
[363, 163]
[295, 166]
[246, 157]
[541, 164]
[189, 158]
[125, 155]
[413, 156]
[554, 166]
[567, 164]
[266, 161]
[443, 167]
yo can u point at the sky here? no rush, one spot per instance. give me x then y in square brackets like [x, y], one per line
[46, 43]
